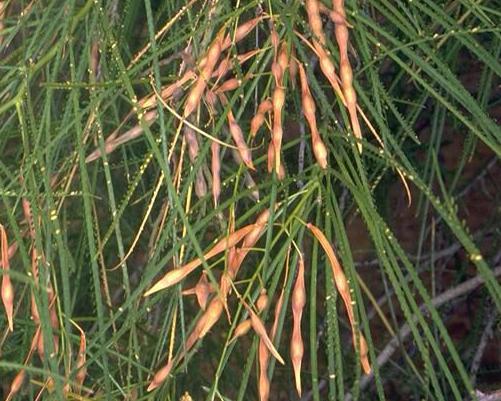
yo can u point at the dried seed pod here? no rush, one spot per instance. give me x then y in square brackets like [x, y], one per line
[257, 121]
[212, 315]
[344, 291]
[313, 11]
[240, 33]
[345, 72]
[81, 359]
[228, 85]
[167, 91]
[278, 101]
[262, 301]
[113, 142]
[207, 68]
[7, 287]
[298, 303]
[283, 58]
[264, 382]
[216, 172]
[161, 375]
[16, 384]
[176, 275]
[202, 290]
[271, 157]
[242, 329]
[260, 330]
[319, 149]
[238, 138]
[191, 142]
[200, 184]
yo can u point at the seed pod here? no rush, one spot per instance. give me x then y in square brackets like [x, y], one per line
[113, 142]
[191, 142]
[344, 291]
[16, 384]
[207, 68]
[264, 382]
[262, 301]
[319, 149]
[278, 101]
[202, 290]
[260, 330]
[313, 11]
[238, 138]
[275, 40]
[229, 85]
[7, 287]
[242, 329]
[298, 302]
[176, 275]
[216, 172]
[81, 359]
[257, 121]
[241, 32]
[212, 315]
[346, 74]
[283, 58]
[161, 375]
[167, 91]
[271, 157]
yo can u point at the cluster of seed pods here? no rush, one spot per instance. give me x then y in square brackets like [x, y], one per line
[38, 342]
[210, 87]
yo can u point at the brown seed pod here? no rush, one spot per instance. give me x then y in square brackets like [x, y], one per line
[216, 172]
[161, 375]
[113, 141]
[202, 290]
[238, 138]
[260, 330]
[298, 302]
[257, 121]
[229, 85]
[278, 101]
[264, 382]
[283, 58]
[242, 329]
[81, 359]
[212, 315]
[262, 301]
[207, 67]
[313, 11]
[344, 291]
[345, 71]
[176, 275]
[7, 287]
[240, 33]
[16, 384]
[319, 149]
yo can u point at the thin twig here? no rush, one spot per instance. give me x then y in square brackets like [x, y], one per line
[477, 359]
[405, 330]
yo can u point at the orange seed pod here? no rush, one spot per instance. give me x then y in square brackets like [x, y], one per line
[176, 275]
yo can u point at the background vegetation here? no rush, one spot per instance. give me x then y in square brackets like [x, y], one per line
[102, 191]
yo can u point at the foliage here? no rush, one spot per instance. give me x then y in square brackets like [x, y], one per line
[107, 178]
